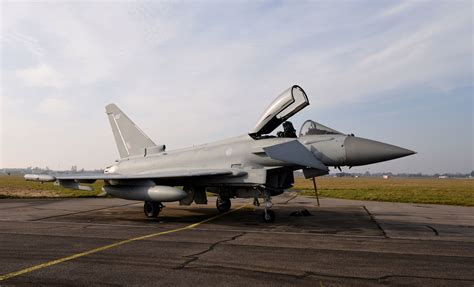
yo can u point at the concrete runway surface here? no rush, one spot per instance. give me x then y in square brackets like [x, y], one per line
[104, 241]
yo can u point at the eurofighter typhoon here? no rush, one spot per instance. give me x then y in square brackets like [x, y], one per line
[255, 165]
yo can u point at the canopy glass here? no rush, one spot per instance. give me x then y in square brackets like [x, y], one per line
[313, 128]
[282, 108]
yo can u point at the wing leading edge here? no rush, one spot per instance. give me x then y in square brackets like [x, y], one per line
[165, 174]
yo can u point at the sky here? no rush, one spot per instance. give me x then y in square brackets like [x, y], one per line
[191, 72]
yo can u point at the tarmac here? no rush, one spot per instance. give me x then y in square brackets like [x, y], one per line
[105, 241]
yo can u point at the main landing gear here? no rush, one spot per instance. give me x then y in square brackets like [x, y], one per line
[223, 204]
[152, 209]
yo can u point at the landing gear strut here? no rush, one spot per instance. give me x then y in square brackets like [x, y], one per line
[152, 209]
[223, 204]
[268, 215]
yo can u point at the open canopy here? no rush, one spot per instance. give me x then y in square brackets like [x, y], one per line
[282, 108]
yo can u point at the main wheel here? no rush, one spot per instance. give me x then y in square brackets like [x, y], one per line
[268, 216]
[223, 204]
[151, 209]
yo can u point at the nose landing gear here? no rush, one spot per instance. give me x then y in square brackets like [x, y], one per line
[268, 215]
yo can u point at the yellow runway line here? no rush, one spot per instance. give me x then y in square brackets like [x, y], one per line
[82, 254]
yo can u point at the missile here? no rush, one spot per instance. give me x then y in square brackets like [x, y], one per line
[158, 193]
[39, 177]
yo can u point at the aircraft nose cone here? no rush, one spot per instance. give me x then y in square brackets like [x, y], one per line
[360, 151]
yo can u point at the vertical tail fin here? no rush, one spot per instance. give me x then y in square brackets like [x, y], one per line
[130, 139]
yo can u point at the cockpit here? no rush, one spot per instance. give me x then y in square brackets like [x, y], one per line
[288, 131]
[288, 103]
[313, 128]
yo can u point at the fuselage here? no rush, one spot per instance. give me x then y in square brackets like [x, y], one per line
[241, 152]
[247, 154]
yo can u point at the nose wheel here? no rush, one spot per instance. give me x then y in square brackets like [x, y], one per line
[268, 216]
[152, 209]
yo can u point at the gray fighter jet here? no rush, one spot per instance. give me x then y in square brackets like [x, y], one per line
[255, 165]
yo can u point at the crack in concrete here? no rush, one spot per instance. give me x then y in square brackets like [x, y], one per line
[55, 209]
[18, 207]
[433, 229]
[293, 196]
[375, 221]
[380, 279]
[195, 256]
[84, 211]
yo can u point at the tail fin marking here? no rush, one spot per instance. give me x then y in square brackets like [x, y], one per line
[130, 139]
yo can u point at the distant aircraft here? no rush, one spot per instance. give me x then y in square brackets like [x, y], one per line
[255, 165]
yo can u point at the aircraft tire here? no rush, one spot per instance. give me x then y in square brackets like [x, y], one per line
[269, 216]
[223, 204]
[151, 209]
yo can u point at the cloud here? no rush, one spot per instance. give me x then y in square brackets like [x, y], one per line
[41, 76]
[54, 106]
[397, 9]
[19, 39]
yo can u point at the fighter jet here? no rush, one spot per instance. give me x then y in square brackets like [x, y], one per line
[256, 165]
